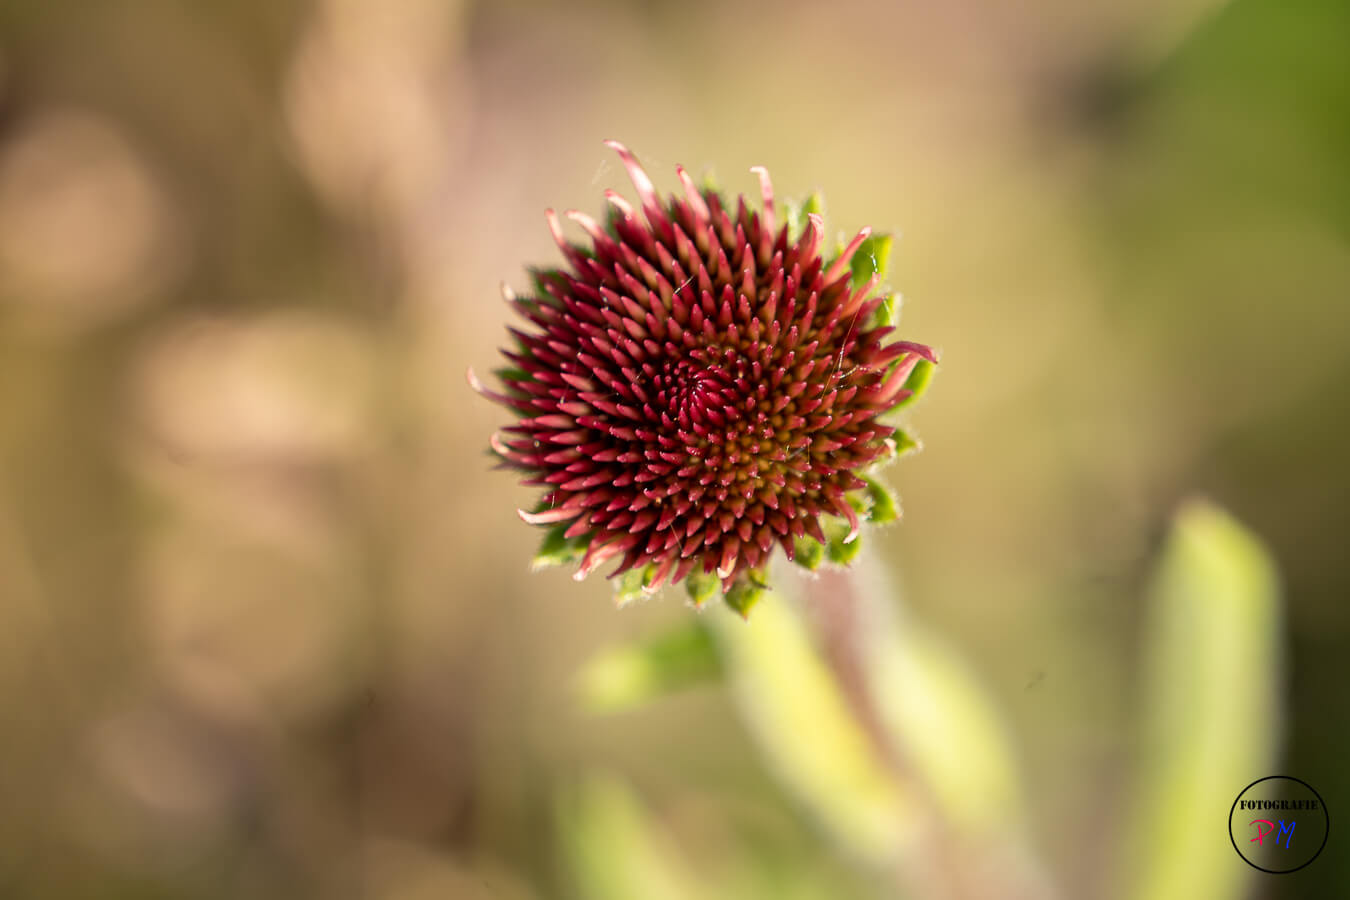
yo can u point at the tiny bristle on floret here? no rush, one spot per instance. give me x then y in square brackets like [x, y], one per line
[701, 385]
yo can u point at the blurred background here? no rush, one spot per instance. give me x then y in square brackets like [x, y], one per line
[267, 622]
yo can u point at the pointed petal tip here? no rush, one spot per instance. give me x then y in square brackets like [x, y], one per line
[766, 192]
[922, 351]
[615, 199]
[548, 516]
[840, 267]
[588, 224]
[691, 194]
[636, 174]
[555, 228]
[481, 390]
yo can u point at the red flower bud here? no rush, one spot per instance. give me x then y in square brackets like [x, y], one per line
[701, 385]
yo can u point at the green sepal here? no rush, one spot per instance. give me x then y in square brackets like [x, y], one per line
[887, 315]
[884, 507]
[873, 257]
[558, 550]
[540, 279]
[746, 591]
[512, 373]
[796, 213]
[901, 443]
[629, 586]
[807, 552]
[701, 587]
[836, 530]
[917, 382]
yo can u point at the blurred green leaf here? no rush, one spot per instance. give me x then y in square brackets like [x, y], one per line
[613, 849]
[631, 675]
[1202, 156]
[803, 724]
[935, 709]
[951, 775]
[947, 723]
[1211, 714]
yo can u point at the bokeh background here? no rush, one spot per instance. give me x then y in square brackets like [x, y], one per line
[267, 623]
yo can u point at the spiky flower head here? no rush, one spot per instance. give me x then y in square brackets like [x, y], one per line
[702, 385]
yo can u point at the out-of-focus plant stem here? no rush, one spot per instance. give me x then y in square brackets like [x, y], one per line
[884, 736]
[940, 862]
